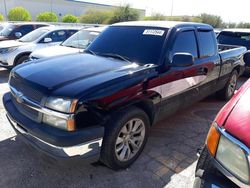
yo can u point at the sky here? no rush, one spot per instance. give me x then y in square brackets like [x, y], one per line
[229, 10]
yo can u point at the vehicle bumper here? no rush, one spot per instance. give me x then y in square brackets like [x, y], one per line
[7, 60]
[59, 144]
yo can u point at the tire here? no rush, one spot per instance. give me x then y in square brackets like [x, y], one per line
[116, 145]
[228, 91]
[21, 59]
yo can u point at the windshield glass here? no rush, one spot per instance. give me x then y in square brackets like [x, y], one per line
[30, 37]
[81, 39]
[234, 38]
[7, 30]
[139, 44]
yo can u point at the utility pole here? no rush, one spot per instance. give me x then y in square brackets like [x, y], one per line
[172, 8]
[5, 9]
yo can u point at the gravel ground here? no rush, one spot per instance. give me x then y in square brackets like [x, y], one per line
[168, 160]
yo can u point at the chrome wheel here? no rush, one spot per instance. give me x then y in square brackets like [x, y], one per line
[232, 85]
[130, 139]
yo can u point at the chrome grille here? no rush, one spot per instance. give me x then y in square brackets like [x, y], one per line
[27, 91]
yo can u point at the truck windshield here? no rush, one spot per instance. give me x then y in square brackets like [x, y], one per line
[139, 44]
[234, 38]
[32, 36]
[7, 30]
[81, 39]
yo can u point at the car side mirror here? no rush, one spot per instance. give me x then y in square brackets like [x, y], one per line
[246, 58]
[47, 40]
[18, 35]
[182, 60]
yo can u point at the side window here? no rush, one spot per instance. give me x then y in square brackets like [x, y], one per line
[25, 29]
[71, 32]
[58, 36]
[207, 47]
[185, 42]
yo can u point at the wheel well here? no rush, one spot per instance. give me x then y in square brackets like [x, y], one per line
[21, 55]
[148, 108]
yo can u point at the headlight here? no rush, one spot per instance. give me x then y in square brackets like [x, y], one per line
[55, 121]
[232, 157]
[7, 50]
[60, 104]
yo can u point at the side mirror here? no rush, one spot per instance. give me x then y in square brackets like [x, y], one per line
[246, 58]
[47, 40]
[182, 60]
[18, 35]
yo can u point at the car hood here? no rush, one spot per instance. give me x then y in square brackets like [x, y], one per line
[76, 75]
[54, 51]
[10, 43]
[238, 122]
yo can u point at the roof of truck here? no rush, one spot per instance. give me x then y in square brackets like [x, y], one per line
[239, 30]
[163, 24]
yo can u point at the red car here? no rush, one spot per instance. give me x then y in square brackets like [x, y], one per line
[225, 159]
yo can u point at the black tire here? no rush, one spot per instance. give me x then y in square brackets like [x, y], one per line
[112, 130]
[21, 59]
[228, 91]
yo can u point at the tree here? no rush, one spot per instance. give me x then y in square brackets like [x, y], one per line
[47, 17]
[95, 17]
[243, 25]
[124, 13]
[156, 16]
[213, 20]
[69, 18]
[19, 14]
[1, 17]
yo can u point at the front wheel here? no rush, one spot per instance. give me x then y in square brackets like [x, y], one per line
[228, 91]
[125, 137]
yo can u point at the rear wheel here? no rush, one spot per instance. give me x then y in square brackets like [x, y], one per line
[125, 138]
[228, 91]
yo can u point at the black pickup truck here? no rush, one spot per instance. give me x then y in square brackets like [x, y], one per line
[101, 104]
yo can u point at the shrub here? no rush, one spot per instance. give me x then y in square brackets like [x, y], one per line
[69, 18]
[19, 14]
[124, 13]
[96, 17]
[213, 20]
[156, 16]
[1, 17]
[47, 17]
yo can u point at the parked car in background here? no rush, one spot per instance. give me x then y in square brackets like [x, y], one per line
[15, 52]
[101, 103]
[74, 44]
[13, 31]
[239, 37]
[225, 159]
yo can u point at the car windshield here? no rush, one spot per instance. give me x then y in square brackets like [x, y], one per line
[139, 44]
[7, 30]
[81, 39]
[32, 36]
[234, 38]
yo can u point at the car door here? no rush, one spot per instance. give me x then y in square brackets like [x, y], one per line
[179, 84]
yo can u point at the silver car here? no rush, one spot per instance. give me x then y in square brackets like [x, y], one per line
[74, 44]
[14, 52]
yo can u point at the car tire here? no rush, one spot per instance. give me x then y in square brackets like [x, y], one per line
[21, 59]
[228, 91]
[125, 137]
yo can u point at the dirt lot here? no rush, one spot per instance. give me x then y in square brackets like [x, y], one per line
[168, 160]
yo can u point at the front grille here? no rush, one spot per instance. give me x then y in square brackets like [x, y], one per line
[25, 110]
[27, 91]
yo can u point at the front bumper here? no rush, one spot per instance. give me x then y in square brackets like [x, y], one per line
[7, 60]
[56, 143]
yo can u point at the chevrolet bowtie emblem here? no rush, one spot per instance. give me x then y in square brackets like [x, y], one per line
[19, 97]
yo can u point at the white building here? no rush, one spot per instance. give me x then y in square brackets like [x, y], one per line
[60, 7]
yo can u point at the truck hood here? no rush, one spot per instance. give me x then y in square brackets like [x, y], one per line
[54, 51]
[74, 75]
[10, 43]
[238, 122]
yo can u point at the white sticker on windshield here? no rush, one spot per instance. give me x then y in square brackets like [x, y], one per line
[155, 32]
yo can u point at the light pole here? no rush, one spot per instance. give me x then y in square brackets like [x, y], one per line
[5, 9]
[172, 8]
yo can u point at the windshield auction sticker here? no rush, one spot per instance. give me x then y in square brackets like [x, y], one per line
[155, 32]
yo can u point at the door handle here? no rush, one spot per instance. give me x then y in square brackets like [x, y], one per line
[202, 71]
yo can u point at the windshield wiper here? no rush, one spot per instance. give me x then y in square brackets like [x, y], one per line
[89, 52]
[117, 56]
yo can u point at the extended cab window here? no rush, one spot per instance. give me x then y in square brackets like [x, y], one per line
[207, 43]
[185, 42]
